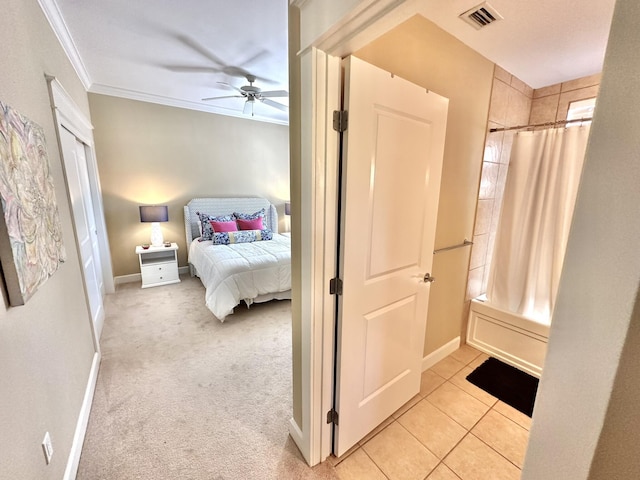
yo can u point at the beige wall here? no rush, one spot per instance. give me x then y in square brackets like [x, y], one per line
[422, 53]
[295, 181]
[153, 154]
[46, 348]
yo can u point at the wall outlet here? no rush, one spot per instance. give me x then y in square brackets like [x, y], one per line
[47, 448]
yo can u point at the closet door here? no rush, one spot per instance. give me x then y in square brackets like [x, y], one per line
[75, 165]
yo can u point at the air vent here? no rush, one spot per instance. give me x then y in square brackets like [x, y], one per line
[481, 15]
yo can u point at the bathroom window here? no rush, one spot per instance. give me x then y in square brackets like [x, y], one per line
[581, 109]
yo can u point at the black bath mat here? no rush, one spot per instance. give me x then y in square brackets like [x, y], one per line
[514, 387]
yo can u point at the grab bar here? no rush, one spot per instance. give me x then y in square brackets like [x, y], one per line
[453, 247]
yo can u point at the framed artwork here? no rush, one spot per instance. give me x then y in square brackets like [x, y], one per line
[31, 244]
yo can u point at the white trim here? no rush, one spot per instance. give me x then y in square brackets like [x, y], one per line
[54, 16]
[319, 248]
[174, 102]
[295, 432]
[440, 354]
[327, 146]
[67, 115]
[363, 22]
[83, 420]
[131, 278]
[338, 39]
[310, 376]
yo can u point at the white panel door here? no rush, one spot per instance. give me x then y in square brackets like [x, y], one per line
[83, 175]
[392, 162]
[73, 153]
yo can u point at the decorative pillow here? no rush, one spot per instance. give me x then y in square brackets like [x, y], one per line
[207, 229]
[223, 226]
[242, 236]
[250, 216]
[255, 224]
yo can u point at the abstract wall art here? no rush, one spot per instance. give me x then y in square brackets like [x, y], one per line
[31, 244]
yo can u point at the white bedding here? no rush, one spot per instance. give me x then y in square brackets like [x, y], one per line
[242, 271]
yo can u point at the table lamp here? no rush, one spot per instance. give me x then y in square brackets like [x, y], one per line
[155, 214]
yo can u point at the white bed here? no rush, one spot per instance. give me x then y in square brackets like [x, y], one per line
[251, 272]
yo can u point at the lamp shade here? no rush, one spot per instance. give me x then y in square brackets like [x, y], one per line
[154, 213]
[287, 208]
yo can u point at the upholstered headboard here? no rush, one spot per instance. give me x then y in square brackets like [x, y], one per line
[224, 206]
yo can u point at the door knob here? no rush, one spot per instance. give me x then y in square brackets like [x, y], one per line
[428, 278]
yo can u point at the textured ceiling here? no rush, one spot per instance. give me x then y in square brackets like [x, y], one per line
[542, 42]
[176, 52]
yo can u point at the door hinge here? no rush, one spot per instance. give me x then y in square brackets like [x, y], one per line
[335, 286]
[332, 417]
[340, 120]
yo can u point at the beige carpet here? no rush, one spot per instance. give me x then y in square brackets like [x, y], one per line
[182, 396]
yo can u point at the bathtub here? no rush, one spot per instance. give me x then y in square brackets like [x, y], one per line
[515, 340]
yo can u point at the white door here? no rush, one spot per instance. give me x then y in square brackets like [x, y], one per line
[392, 162]
[75, 165]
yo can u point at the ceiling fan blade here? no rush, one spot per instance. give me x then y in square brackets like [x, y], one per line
[244, 94]
[191, 43]
[225, 96]
[275, 93]
[185, 68]
[234, 71]
[253, 58]
[277, 105]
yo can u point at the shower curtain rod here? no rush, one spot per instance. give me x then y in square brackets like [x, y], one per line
[547, 124]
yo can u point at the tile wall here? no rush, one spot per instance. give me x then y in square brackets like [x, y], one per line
[512, 103]
[552, 103]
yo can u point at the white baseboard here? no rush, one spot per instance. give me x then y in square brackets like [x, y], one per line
[134, 277]
[83, 420]
[296, 435]
[441, 353]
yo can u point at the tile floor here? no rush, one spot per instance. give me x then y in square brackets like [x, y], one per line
[452, 430]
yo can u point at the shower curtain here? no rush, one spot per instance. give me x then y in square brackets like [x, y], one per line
[537, 208]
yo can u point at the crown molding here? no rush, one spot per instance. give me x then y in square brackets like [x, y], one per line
[174, 102]
[54, 16]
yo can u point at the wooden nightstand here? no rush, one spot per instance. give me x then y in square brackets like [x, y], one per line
[158, 265]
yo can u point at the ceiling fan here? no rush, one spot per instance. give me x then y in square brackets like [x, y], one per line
[251, 94]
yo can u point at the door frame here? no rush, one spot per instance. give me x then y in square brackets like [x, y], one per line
[67, 115]
[338, 32]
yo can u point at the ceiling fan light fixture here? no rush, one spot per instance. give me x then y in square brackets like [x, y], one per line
[251, 93]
